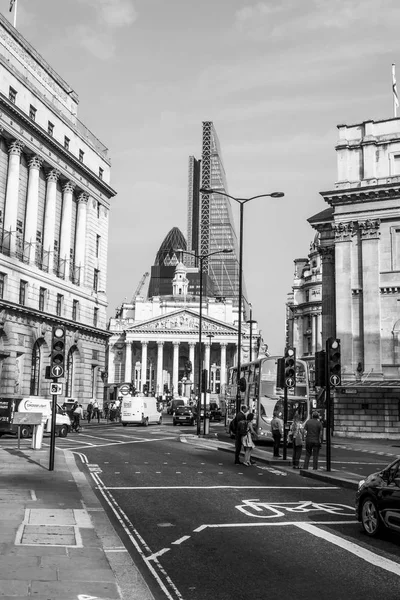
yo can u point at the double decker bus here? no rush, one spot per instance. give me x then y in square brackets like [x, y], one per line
[262, 395]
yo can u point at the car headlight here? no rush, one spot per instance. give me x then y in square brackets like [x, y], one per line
[361, 483]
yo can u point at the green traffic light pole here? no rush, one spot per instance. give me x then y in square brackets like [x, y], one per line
[53, 429]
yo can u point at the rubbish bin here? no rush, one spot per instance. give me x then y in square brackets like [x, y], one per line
[206, 425]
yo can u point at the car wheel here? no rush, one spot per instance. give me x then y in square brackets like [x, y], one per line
[174, 423]
[63, 431]
[124, 424]
[160, 421]
[146, 422]
[370, 518]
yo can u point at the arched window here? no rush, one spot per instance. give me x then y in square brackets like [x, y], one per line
[35, 370]
[70, 373]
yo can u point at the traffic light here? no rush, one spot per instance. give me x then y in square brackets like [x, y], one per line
[57, 357]
[320, 368]
[280, 373]
[333, 357]
[242, 384]
[145, 388]
[204, 380]
[290, 367]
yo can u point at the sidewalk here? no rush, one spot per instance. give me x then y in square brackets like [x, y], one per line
[346, 479]
[56, 541]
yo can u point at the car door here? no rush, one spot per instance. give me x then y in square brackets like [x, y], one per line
[390, 498]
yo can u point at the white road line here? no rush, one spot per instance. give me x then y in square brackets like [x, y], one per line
[221, 487]
[182, 539]
[271, 524]
[359, 551]
[116, 443]
[33, 495]
[159, 553]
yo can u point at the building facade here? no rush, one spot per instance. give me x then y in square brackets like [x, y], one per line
[54, 204]
[360, 253]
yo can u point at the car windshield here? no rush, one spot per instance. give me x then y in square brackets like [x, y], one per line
[183, 410]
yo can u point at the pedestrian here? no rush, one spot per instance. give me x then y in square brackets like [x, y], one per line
[112, 411]
[247, 440]
[96, 412]
[296, 434]
[89, 411]
[234, 428]
[78, 413]
[105, 408]
[277, 433]
[313, 432]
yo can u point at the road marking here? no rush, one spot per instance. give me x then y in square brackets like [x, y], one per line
[138, 441]
[33, 495]
[220, 487]
[157, 554]
[182, 539]
[271, 524]
[359, 551]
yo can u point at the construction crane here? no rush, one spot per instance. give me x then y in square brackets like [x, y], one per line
[140, 286]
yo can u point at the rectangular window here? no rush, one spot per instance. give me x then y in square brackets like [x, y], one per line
[98, 210]
[66, 142]
[101, 171]
[75, 310]
[32, 112]
[12, 94]
[2, 284]
[96, 279]
[81, 155]
[19, 226]
[95, 316]
[50, 128]
[98, 238]
[23, 285]
[60, 300]
[42, 298]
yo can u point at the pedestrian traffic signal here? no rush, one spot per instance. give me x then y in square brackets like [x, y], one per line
[320, 368]
[280, 373]
[242, 384]
[145, 388]
[334, 366]
[204, 380]
[290, 367]
[57, 357]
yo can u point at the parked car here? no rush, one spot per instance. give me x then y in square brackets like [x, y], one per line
[183, 415]
[215, 412]
[173, 404]
[378, 500]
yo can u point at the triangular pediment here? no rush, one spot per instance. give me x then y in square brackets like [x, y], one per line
[183, 321]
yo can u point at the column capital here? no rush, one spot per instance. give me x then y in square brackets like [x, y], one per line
[145, 343]
[83, 198]
[16, 147]
[343, 231]
[327, 253]
[52, 175]
[176, 343]
[369, 229]
[160, 342]
[35, 162]
[223, 344]
[128, 342]
[69, 186]
[192, 344]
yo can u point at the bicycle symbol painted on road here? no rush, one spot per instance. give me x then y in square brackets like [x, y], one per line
[272, 510]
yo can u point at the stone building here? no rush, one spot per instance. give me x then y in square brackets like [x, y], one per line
[360, 253]
[54, 204]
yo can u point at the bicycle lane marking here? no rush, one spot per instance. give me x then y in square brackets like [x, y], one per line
[359, 551]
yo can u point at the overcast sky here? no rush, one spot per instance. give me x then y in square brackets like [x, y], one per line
[275, 77]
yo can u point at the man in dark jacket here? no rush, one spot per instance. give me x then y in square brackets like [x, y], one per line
[235, 429]
[313, 432]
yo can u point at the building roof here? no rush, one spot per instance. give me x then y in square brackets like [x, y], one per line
[324, 215]
[166, 255]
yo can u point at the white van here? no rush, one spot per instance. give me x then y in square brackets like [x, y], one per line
[139, 409]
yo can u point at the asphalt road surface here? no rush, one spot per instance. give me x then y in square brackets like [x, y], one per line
[199, 527]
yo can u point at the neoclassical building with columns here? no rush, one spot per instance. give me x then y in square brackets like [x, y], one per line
[54, 204]
[153, 340]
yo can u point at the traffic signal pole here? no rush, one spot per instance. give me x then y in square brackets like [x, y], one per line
[285, 418]
[328, 413]
[53, 429]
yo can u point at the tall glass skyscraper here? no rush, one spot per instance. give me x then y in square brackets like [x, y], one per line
[210, 219]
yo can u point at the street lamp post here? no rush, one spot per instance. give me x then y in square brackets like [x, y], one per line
[241, 202]
[250, 322]
[201, 258]
[210, 336]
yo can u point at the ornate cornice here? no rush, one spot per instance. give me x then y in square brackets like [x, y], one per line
[377, 191]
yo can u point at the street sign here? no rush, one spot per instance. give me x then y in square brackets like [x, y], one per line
[125, 389]
[335, 380]
[290, 382]
[57, 371]
[56, 389]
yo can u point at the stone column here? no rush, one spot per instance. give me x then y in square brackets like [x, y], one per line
[207, 359]
[318, 332]
[328, 293]
[32, 204]
[223, 364]
[111, 368]
[11, 204]
[128, 361]
[144, 363]
[314, 329]
[50, 217]
[192, 346]
[160, 356]
[369, 233]
[66, 223]
[175, 367]
[80, 240]
[344, 325]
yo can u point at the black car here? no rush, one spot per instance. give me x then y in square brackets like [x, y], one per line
[215, 412]
[183, 415]
[378, 500]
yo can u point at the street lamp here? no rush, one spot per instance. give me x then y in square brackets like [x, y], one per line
[241, 202]
[201, 258]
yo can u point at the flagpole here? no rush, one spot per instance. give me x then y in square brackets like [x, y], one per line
[394, 89]
[15, 13]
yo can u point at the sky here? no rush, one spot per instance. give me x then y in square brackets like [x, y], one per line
[276, 77]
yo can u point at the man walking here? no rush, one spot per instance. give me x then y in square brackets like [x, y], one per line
[313, 432]
[277, 433]
[242, 414]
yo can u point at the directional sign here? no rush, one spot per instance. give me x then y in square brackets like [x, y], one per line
[335, 380]
[57, 371]
[290, 382]
[124, 389]
[56, 388]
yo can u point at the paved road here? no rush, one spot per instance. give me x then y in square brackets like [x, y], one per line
[196, 524]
